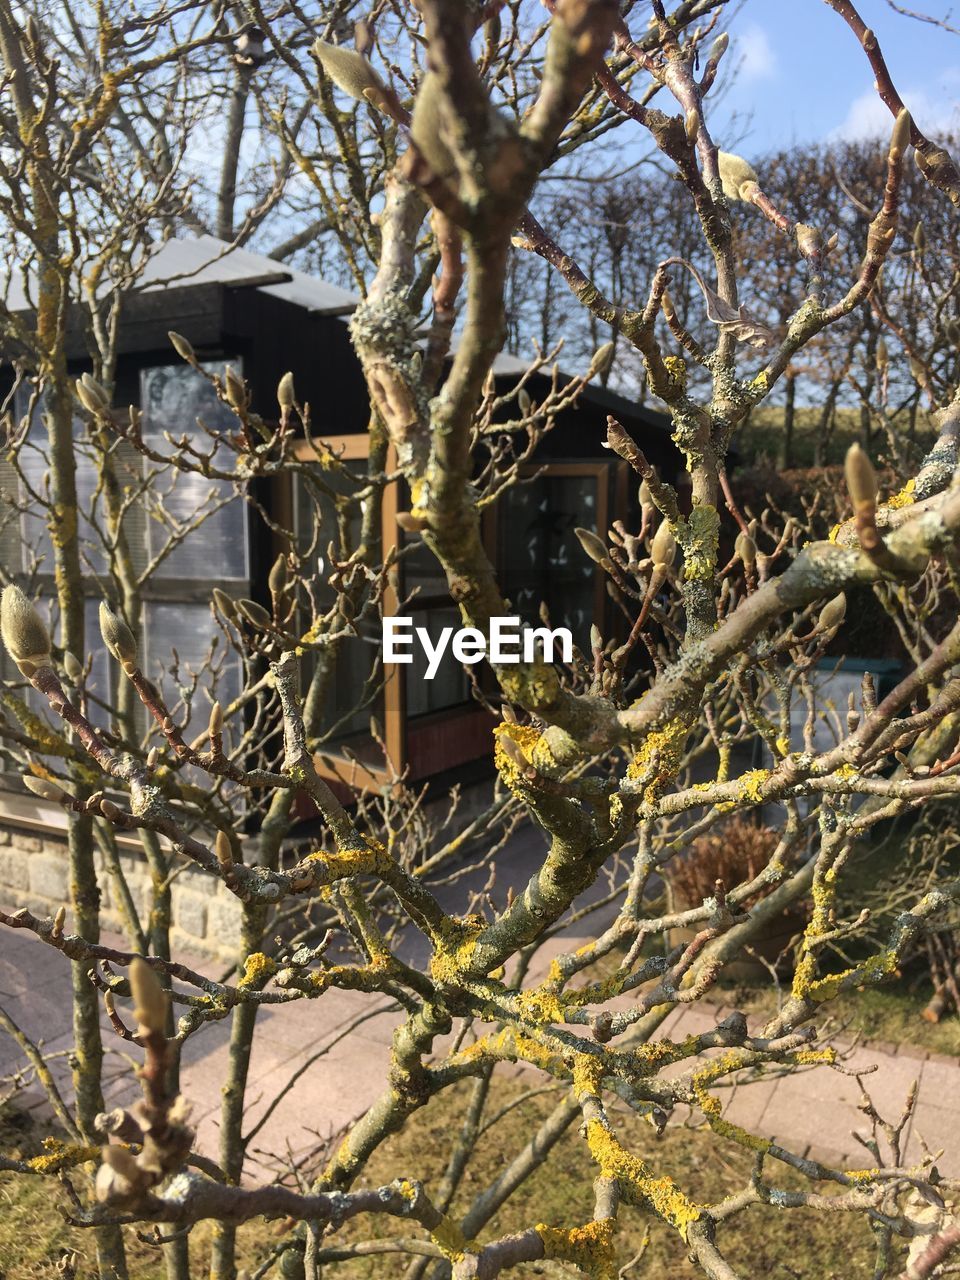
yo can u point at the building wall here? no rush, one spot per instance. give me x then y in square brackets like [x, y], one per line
[34, 873]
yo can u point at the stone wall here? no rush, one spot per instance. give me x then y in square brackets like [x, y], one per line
[34, 873]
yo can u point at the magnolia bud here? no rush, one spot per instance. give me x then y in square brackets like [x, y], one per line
[153, 756]
[882, 355]
[646, 497]
[150, 999]
[278, 576]
[117, 636]
[91, 401]
[919, 238]
[349, 70]
[44, 788]
[286, 397]
[900, 138]
[110, 810]
[224, 603]
[593, 545]
[215, 724]
[221, 846]
[254, 613]
[181, 346]
[25, 636]
[663, 549]
[524, 401]
[602, 359]
[832, 613]
[746, 549]
[918, 371]
[235, 389]
[426, 127]
[72, 668]
[691, 125]
[861, 477]
[735, 172]
[58, 922]
[719, 47]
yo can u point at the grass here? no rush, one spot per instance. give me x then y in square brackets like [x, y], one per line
[891, 1013]
[777, 1245]
[33, 1231]
[759, 1242]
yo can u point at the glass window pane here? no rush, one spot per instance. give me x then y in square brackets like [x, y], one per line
[191, 631]
[34, 462]
[540, 557]
[354, 690]
[173, 398]
[449, 686]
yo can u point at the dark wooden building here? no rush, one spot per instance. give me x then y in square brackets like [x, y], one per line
[240, 308]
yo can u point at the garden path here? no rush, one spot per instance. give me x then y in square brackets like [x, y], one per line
[337, 1047]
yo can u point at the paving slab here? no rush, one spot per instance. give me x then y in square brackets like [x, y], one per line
[813, 1109]
[940, 1129]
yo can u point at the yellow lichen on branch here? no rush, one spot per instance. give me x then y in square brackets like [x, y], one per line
[636, 1180]
[588, 1247]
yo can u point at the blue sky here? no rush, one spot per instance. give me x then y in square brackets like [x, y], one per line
[803, 76]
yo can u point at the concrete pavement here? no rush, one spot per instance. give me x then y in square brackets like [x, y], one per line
[336, 1050]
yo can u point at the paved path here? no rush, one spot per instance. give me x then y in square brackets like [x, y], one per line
[340, 1071]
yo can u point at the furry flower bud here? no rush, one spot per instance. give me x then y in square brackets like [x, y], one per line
[861, 477]
[44, 788]
[735, 173]
[832, 613]
[286, 396]
[426, 127]
[150, 999]
[181, 346]
[350, 71]
[25, 636]
[117, 636]
[593, 545]
[663, 549]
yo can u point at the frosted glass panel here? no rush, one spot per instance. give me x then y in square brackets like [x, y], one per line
[173, 398]
[350, 700]
[103, 676]
[190, 630]
[34, 462]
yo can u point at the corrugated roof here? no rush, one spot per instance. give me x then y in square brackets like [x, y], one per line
[204, 260]
[207, 260]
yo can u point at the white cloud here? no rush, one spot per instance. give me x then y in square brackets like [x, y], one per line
[757, 60]
[868, 117]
